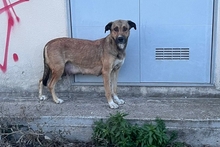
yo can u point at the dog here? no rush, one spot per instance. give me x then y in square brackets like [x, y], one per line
[105, 56]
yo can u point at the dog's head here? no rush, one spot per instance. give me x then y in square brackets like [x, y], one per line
[120, 31]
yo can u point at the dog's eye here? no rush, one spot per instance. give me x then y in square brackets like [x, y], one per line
[116, 29]
[125, 29]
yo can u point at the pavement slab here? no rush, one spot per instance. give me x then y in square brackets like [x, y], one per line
[196, 119]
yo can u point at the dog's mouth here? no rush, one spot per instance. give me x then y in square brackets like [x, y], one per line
[121, 41]
[121, 46]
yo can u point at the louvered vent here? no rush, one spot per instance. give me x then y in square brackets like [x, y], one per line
[172, 53]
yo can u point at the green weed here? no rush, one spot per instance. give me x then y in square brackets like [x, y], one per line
[118, 132]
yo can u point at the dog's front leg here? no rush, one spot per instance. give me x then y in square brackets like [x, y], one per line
[106, 80]
[114, 79]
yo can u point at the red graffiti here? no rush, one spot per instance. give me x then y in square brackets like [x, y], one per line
[15, 57]
[12, 17]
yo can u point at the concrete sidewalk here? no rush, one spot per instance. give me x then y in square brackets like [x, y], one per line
[196, 119]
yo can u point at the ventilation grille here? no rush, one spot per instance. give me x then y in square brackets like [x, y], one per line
[172, 53]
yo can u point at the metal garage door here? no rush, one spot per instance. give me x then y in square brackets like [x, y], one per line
[172, 42]
[88, 21]
[176, 38]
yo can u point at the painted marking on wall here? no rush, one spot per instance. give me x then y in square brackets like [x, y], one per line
[15, 57]
[11, 18]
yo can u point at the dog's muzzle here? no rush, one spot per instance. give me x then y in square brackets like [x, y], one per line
[121, 41]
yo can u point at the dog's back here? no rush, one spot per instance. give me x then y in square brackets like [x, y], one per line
[74, 55]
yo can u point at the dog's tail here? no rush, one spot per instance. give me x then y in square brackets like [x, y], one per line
[46, 71]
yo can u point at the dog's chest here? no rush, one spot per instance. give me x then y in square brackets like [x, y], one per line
[118, 63]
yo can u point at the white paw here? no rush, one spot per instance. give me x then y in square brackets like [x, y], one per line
[59, 101]
[120, 102]
[117, 100]
[113, 105]
[43, 97]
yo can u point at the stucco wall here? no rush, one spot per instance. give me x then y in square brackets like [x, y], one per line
[39, 21]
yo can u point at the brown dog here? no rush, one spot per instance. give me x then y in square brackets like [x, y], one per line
[74, 56]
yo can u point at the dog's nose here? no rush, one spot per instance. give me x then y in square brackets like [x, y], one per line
[120, 39]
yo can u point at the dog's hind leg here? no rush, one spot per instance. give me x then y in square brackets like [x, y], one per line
[114, 78]
[56, 74]
[41, 97]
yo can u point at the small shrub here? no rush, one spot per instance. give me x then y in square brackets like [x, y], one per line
[115, 131]
[118, 132]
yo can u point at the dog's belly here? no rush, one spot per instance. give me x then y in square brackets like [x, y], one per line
[74, 69]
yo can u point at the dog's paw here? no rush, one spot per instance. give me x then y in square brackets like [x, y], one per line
[113, 105]
[59, 101]
[43, 97]
[118, 101]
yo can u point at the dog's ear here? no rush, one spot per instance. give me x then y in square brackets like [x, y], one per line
[132, 24]
[108, 26]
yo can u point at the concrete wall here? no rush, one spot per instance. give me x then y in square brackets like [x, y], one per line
[21, 60]
[22, 41]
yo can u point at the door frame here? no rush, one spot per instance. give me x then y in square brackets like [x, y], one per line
[215, 53]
